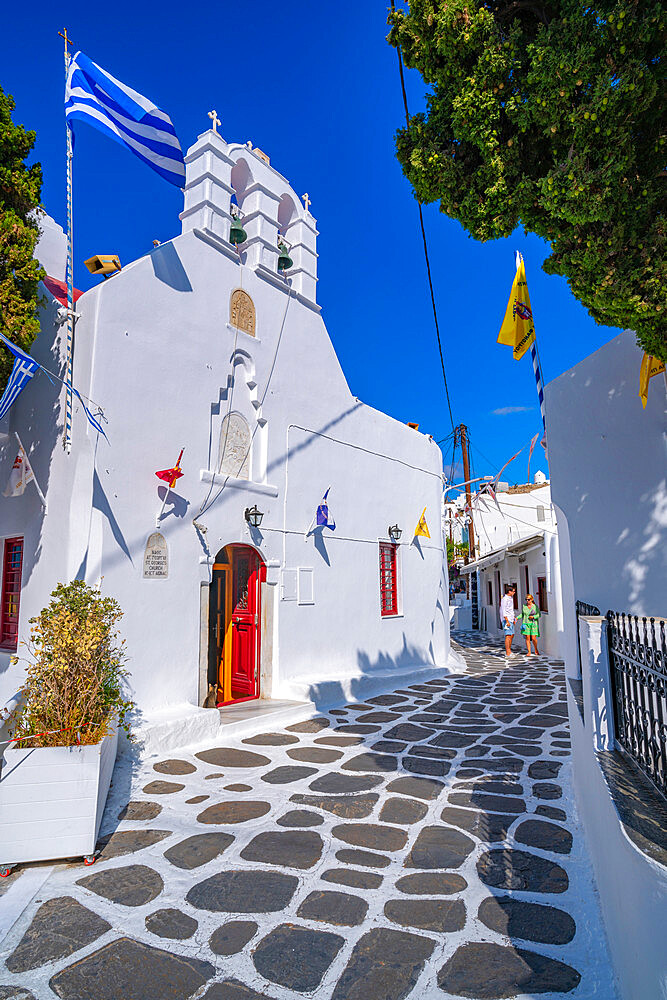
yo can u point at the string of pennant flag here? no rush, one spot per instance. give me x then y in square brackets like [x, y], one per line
[323, 517]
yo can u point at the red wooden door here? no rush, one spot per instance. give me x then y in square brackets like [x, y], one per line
[245, 623]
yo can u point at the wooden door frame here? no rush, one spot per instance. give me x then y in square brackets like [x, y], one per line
[227, 568]
[227, 642]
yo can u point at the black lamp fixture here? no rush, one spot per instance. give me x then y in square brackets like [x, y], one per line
[253, 516]
[394, 532]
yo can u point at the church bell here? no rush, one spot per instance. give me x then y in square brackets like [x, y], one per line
[237, 233]
[284, 260]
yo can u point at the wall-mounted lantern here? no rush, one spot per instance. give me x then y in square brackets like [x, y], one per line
[253, 516]
[394, 533]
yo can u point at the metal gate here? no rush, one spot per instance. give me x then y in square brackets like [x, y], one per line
[638, 667]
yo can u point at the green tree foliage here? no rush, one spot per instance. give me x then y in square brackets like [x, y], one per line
[20, 191]
[450, 552]
[549, 114]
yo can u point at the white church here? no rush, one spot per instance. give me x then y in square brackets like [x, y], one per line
[231, 592]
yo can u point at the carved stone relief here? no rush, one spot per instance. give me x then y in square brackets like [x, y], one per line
[234, 457]
[242, 311]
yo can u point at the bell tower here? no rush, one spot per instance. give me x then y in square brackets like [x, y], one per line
[220, 175]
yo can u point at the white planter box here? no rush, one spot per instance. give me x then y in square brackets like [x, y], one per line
[52, 800]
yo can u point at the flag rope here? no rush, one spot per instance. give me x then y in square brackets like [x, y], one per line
[69, 366]
[538, 381]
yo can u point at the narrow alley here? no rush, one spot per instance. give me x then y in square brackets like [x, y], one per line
[422, 845]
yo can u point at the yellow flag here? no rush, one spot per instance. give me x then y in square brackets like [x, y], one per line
[518, 329]
[422, 527]
[650, 367]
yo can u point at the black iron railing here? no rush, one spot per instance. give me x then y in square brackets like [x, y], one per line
[638, 668]
[587, 609]
[581, 608]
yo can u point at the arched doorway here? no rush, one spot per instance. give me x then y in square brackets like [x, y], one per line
[234, 623]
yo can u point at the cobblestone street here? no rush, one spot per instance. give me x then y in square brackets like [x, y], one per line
[424, 844]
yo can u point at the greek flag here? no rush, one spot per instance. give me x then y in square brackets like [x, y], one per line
[93, 421]
[23, 370]
[94, 96]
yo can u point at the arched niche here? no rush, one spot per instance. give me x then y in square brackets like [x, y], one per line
[241, 179]
[234, 450]
[286, 213]
[242, 311]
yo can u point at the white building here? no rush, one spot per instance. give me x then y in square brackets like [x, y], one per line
[199, 347]
[607, 458]
[516, 543]
[454, 520]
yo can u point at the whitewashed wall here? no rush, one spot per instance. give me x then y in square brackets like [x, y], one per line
[607, 463]
[155, 348]
[519, 518]
[541, 561]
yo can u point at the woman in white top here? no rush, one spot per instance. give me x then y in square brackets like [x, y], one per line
[508, 618]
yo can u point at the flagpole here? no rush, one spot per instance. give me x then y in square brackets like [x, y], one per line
[535, 356]
[69, 364]
[25, 469]
[312, 523]
[168, 490]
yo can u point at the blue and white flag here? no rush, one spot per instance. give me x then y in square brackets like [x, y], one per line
[323, 517]
[23, 370]
[94, 96]
[93, 421]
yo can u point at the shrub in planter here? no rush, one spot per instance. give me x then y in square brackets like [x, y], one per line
[55, 777]
[75, 678]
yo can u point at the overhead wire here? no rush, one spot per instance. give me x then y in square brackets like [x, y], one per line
[481, 454]
[208, 502]
[421, 223]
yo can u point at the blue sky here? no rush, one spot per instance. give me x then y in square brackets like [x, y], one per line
[316, 86]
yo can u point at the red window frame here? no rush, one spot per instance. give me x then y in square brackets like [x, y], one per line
[542, 594]
[12, 565]
[388, 589]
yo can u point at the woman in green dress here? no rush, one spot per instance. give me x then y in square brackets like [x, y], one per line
[530, 624]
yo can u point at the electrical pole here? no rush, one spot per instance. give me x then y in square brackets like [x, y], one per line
[463, 432]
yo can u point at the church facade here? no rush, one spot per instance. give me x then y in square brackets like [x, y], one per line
[230, 588]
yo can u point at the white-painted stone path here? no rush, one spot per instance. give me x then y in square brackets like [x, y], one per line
[424, 845]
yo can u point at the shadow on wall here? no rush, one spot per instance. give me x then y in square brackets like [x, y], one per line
[280, 459]
[38, 410]
[176, 504]
[320, 542]
[607, 461]
[179, 506]
[384, 663]
[168, 268]
[360, 685]
[649, 549]
[597, 705]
